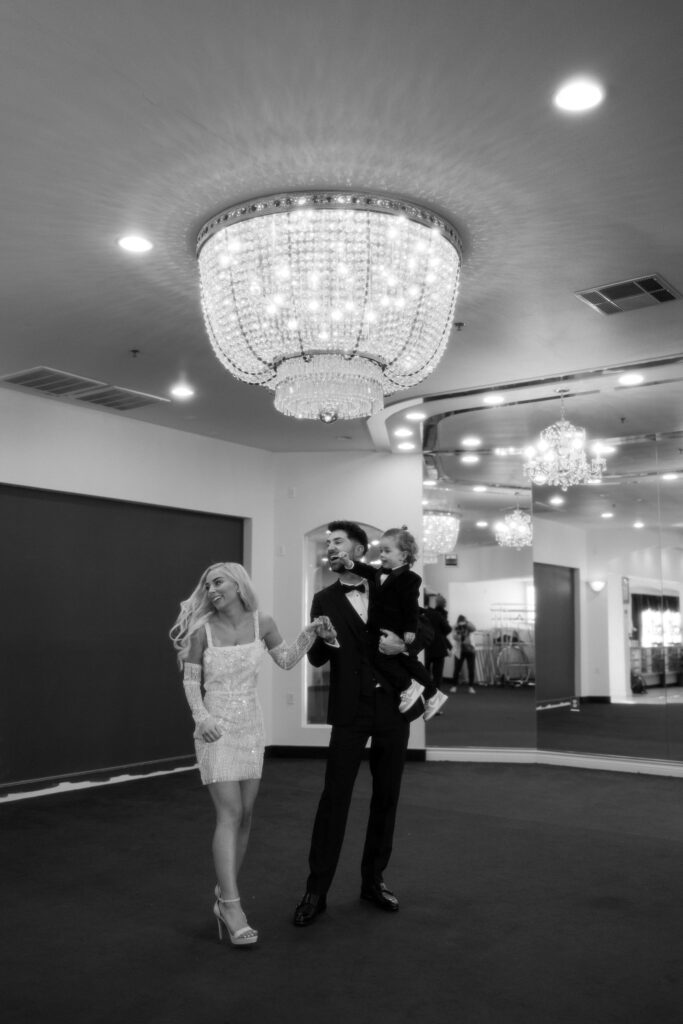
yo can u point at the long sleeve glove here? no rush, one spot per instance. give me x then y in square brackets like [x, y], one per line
[288, 655]
[192, 684]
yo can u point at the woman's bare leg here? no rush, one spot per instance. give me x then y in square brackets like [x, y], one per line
[234, 802]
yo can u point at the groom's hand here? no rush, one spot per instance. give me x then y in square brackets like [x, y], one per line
[390, 643]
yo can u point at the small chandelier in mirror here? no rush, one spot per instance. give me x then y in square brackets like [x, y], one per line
[515, 530]
[558, 459]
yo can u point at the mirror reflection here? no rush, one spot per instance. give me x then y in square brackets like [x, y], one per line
[597, 595]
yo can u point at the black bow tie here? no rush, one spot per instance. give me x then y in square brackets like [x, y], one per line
[348, 587]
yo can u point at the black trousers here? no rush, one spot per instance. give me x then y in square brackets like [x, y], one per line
[378, 719]
[435, 667]
[398, 670]
[466, 658]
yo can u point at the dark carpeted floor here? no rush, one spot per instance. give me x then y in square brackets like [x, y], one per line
[529, 894]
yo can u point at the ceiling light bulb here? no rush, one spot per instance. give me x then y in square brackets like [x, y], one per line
[639, 524]
[630, 380]
[493, 399]
[480, 488]
[669, 476]
[607, 515]
[429, 483]
[406, 446]
[471, 442]
[579, 94]
[182, 391]
[469, 460]
[403, 432]
[416, 415]
[135, 243]
[556, 500]
[481, 523]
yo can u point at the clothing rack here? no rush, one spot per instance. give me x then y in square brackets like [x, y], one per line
[511, 645]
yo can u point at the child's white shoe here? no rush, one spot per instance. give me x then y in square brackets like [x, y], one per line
[434, 705]
[410, 696]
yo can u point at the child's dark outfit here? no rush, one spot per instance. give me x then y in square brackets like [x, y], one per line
[394, 604]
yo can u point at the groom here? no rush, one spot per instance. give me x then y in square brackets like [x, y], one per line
[362, 706]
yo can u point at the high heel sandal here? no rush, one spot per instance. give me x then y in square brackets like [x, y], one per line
[245, 936]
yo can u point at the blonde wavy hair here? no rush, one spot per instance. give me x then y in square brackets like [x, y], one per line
[197, 609]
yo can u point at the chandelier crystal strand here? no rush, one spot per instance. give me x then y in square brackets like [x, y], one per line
[515, 531]
[330, 299]
[559, 458]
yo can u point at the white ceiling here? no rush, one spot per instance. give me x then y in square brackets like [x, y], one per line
[151, 115]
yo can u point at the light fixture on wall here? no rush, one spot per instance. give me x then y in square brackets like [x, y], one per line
[558, 458]
[330, 299]
[515, 530]
[596, 585]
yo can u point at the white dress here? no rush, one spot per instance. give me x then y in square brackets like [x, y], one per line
[230, 677]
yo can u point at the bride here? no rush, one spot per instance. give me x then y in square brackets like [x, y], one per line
[219, 637]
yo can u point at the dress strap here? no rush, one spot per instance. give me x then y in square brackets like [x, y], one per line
[209, 638]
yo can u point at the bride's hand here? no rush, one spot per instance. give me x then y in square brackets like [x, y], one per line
[324, 628]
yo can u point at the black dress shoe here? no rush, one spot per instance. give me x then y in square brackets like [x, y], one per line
[311, 905]
[378, 894]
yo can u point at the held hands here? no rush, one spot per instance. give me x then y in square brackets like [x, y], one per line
[323, 628]
[408, 638]
[390, 643]
[210, 730]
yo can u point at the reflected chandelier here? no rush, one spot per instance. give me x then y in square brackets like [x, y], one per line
[515, 530]
[440, 529]
[330, 299]
[559, 458]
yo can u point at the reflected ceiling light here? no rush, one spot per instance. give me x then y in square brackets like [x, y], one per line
[515, 530]
[481, 524]
[630, 380]
[471, 442]
[556, 499]
[558, 458]
[603, 449]
[182, 391]
[639, 524]
[429, 483]
[669, 476]
[479, 488]
[493, 399]
[403, 432]
[607, 515]
[416, 415]
[135, 244]
[504, 452]
[469, 460]
[596, 585]
[579, 94]
[330, 299]
[406, 446]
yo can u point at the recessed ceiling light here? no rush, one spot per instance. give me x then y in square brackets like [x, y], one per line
[607, 515]
[669, 476]
[416, 415]
[429, 483]
[556, 499]
[403, 432]
[135, 243]
[481, 523]
[471, 442]
[406, 446]
[182, 391]
[493, 399]
[579, 94]
[603, 449]
[469, 460]
[629, 380]
[480, 488]
[639, 524]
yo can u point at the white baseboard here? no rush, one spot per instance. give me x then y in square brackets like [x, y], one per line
[566, 759]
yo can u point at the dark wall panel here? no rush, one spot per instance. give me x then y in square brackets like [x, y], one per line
[555, 632]
[90, 588]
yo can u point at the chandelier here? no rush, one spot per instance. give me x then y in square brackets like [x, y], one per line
[330, 299]
[440, 529]
[559, 458]
[515, 531]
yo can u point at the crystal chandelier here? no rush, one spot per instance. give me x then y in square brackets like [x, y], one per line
[330, 299]
[559, 457]
[440, 529]
[515, 531]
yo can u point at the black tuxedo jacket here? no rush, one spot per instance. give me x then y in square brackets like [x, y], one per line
[351, 664]
[394, 604]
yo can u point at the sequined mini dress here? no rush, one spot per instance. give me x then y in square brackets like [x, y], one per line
[230, 676]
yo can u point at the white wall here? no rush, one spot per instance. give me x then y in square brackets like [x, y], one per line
[60, 446]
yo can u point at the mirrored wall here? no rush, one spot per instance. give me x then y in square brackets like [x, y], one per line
[587, 616]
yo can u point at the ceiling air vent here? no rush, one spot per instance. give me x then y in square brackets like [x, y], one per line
[68, 385]
[623, 296]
